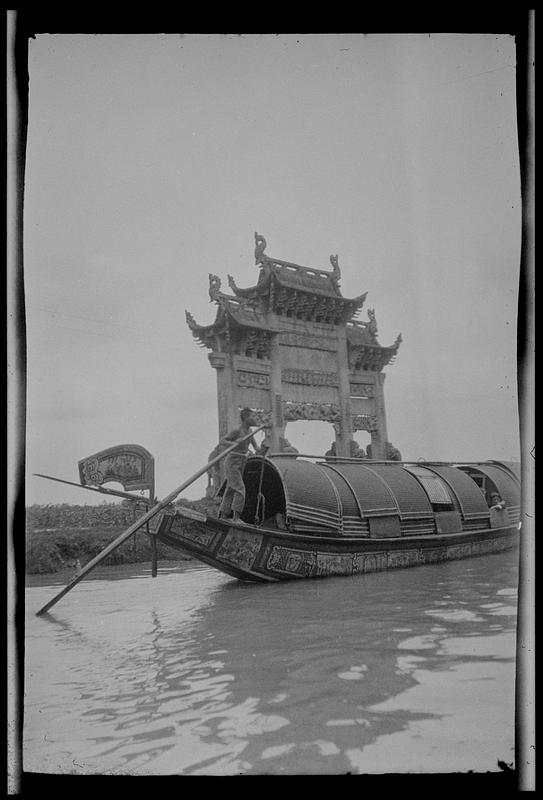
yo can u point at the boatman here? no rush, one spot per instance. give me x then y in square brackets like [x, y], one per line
[234, 495]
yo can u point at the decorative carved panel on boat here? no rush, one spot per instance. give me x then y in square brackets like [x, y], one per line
[295, 562]
[200, 535]
[369, 562]
[459, 550]
[240, 548]
[402, 558]
[488, 546]
[432, 555]
[334, 564]
[128, 464]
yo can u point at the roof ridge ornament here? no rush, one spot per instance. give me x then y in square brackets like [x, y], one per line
[191, 322]
[260, 246]
[214, 288]
[336, 272]
[372, 324]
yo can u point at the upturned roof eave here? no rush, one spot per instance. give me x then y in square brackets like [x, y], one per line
[243, 317]
[262, 288]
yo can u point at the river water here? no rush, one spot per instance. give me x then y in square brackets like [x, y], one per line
[195, 673]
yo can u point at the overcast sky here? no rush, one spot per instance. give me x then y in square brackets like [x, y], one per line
[151, 161]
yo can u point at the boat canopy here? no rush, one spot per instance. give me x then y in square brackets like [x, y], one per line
[499, 478]
[366, 498]
[434, 486]
[467, 492]
[511, 466]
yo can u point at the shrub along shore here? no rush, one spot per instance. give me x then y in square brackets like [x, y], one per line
[62, 536]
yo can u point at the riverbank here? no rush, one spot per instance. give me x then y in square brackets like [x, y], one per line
[65, 537]
[56, 549]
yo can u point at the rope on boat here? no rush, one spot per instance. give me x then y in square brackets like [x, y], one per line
[260, 500]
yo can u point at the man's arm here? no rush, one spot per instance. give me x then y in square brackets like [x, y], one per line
[231, 437]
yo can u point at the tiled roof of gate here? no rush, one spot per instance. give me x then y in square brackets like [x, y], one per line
[298, 278]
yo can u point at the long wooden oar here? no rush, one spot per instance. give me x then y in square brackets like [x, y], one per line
[141, 521]
[101, 489]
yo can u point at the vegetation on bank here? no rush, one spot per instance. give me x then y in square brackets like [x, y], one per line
[65, 515]
[62, 536]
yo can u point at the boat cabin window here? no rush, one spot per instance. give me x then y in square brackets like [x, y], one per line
[435, 487]
[487, 487]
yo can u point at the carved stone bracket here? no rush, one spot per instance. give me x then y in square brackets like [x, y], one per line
[368, 358]
[257, 342]
[217, 360]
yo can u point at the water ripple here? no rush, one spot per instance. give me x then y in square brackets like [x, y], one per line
[195, 673]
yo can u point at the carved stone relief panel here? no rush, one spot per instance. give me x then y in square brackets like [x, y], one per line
[362, 389]
[259, 380]
[365, 422]
[297, 393]
[310, 377]
[308, 341]
[362, 405]
[326, 412]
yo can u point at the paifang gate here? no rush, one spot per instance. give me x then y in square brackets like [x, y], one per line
[291, 348]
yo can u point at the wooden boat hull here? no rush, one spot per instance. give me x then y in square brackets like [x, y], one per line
[259, 554]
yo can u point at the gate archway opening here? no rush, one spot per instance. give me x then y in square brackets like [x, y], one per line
[312, 437]
[363, 440]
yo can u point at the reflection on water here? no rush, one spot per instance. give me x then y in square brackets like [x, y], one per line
[196, 673]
